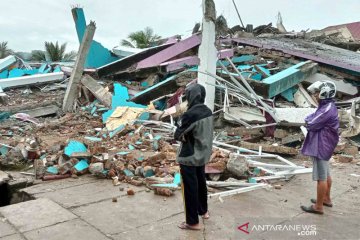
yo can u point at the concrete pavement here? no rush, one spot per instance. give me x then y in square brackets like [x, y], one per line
[83, 209]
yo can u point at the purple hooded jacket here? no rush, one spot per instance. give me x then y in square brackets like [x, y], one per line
[323, 135]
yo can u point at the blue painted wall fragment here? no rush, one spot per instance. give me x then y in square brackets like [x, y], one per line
[256, 76]
[52, 170]
[176, 183]
[289, 77]
[74, 146]
[128, 173]
[3, 150]
[149, 173]
[4, 74]
[265, 70]
[31, 71]
[16, 72]
[289, 94]
[57, 69]
[4, 116]
[98, 55]
[42, 68]
[81, 165]
[243, 58]
[120, 99]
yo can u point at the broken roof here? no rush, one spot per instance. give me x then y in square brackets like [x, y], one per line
[342, 59]
[353, 27]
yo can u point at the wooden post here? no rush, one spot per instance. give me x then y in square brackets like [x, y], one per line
[73, 88]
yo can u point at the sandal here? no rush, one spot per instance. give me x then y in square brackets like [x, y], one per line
[206, 215]
[311, 210]
[186, 226]
[313, 200]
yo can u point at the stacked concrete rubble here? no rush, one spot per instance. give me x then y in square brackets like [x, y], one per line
[123, 114]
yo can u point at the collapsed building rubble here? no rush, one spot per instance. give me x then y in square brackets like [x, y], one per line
[116, 120]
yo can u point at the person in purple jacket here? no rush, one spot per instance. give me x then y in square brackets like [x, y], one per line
[320, 142]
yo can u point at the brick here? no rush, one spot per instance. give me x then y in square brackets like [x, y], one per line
[351, 150]
[345, 158]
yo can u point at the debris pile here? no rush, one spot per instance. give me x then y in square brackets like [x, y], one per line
[117, 120]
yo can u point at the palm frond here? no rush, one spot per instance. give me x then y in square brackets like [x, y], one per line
[5, 50]
[38, 56]
[70, 56]
[141, 39]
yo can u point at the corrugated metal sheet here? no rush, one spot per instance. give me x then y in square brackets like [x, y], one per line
[354, 28]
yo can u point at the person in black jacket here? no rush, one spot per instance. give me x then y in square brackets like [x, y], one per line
[195, 131]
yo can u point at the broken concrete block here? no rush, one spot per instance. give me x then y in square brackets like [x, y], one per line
[52, 170]
[163, 192]
[102, 94]
[269, 148]
[74, 147]
[340, 147]
[351, 150]
[345, 158]
[96, 168]
[237, 165]
[292, 139]
[280, 133]
[148, 171]
[81, 167]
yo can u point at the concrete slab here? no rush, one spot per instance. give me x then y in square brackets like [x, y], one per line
[165, 229]
[13, 237]
[5, 228]
[30, 215]
[74, 229]
[130, 212]
[85, 194]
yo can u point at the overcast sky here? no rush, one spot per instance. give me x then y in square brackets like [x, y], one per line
[27, 24]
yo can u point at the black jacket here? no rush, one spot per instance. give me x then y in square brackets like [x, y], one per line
[195, 130]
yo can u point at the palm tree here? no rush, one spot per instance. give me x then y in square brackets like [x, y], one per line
[141, 39]
[5, 50]
[53, 52]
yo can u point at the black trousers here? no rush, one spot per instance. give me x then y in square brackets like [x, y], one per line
[194, 192]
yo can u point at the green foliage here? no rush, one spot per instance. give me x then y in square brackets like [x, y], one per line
[141, 39]
[54, 53]
[5, 50]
